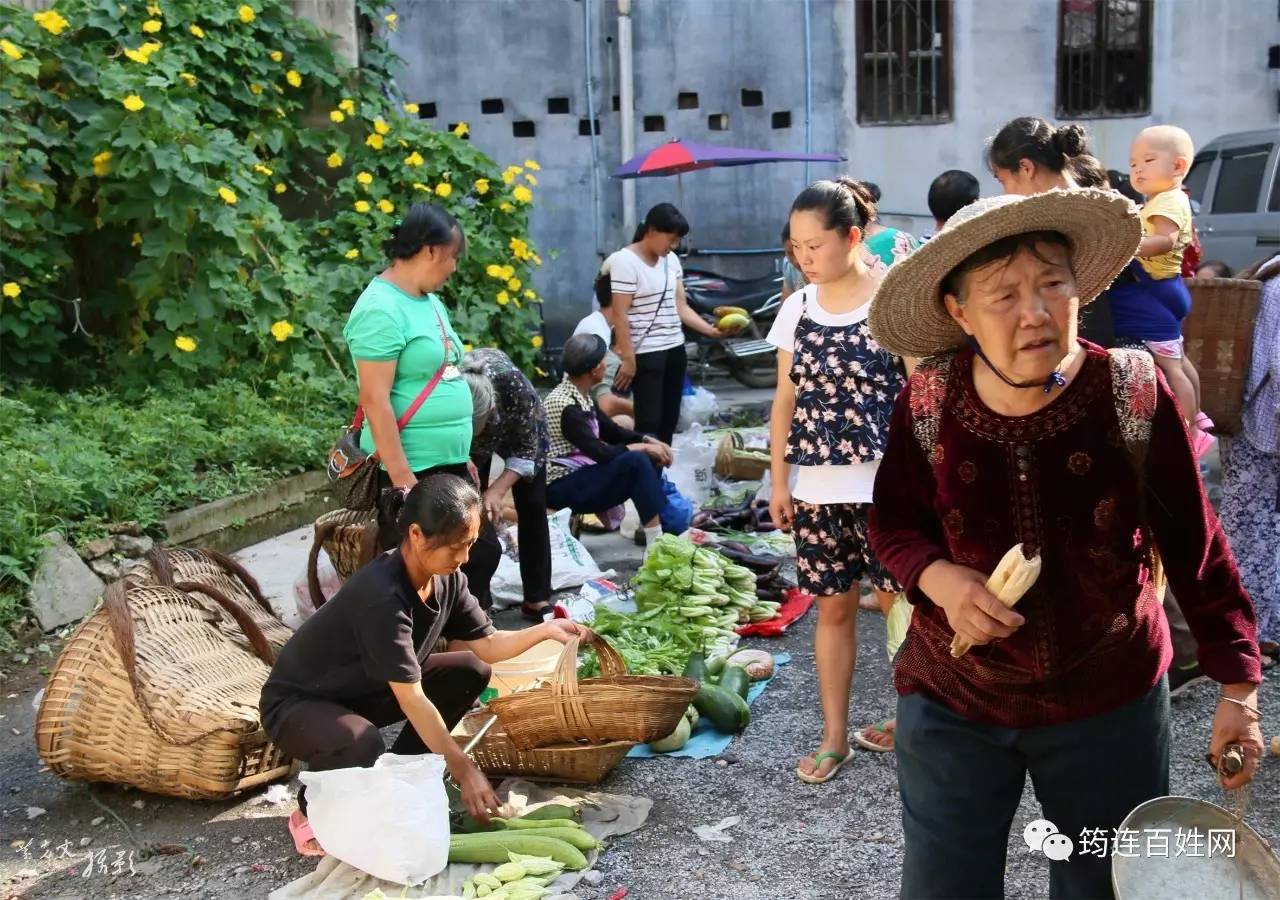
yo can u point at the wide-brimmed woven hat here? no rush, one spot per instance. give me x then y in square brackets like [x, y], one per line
[908, 317]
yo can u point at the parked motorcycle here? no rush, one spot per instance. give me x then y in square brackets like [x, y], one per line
[748, 357]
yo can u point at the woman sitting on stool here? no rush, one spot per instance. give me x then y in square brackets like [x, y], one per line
[595, 464]
[364, 660]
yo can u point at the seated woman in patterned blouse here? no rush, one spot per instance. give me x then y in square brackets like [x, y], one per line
[1012, 431]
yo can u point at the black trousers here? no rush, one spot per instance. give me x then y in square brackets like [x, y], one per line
[328, 735]
[657, 391]
[535, 536]
[482, 562]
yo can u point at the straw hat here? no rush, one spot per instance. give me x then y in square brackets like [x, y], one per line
[908, 317]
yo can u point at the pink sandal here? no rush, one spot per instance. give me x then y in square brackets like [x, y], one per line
[300, 828]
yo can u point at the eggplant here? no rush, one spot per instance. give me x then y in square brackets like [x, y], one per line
[740, 555]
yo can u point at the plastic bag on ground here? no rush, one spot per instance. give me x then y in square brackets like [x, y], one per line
[571, 564]
[390, 820]
[696, 409]
[692, 469]
[330, 582]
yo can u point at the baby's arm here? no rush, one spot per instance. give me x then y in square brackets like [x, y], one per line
[1166, 232]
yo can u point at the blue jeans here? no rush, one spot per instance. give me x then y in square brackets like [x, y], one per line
[592, 489]
[961, 783]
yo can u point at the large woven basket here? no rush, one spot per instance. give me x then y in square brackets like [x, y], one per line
[349, 537]
[736, 462]
[613, 707]
[158, 691]
[1219, 341]
[573, 763]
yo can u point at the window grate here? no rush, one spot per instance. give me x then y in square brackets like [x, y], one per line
[1104, 58]
[904, 61]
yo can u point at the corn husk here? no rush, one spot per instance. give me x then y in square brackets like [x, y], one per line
[1011, 580]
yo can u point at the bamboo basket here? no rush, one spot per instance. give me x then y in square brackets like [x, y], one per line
[576, 764]
[349, 537]
[1219, 342]
[613, 707]
[736, 462]
[152, 692]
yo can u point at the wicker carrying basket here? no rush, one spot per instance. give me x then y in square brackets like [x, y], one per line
[159, 688]
[576, 764]
[1219, 341]
[613, 707]
[736, 462]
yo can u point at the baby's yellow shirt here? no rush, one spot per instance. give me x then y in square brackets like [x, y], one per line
[1174, 206]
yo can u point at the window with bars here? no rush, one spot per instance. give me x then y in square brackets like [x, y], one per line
[1104, 58]
[904, 61]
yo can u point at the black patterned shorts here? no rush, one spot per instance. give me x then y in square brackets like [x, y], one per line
[832, 550]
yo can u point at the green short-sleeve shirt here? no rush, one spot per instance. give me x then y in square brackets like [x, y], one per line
[389, 324]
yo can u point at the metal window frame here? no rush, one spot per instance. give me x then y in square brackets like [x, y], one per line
[1097, 61]
[900, 97]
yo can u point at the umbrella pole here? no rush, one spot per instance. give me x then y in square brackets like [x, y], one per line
[680, 192]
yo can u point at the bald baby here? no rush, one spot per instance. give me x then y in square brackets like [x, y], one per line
[1168, 139]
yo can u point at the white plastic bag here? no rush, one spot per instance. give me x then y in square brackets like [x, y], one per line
[390, 820]
[696, 409]
[330, 584]
[571, 564]
[692, 469]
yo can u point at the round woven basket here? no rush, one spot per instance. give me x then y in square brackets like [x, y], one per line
[574, 763]
[1219, 341]
[614, 707]
[345, 536]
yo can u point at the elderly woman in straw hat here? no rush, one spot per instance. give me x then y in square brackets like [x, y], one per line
[1014, 432]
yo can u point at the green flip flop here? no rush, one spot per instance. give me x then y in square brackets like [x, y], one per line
[840, 758]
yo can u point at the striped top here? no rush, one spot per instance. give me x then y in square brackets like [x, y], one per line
[655, 323]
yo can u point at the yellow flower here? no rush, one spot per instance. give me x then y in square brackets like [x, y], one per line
[154, 10]
[151, 26]
[375, 141]
[12, 290]
[136, 240]
[353, 253]
[519, 248]
[184, 343]
[414, 159]
[530, 295]
[362, 206]
[334, 160]
[262, 170]
[247, 14]
[197, 31]
[276, 56]
[391, 19]
[281, 330]
[536, 340]
[444, 189]
[364, 178]
[508, 272]
[348, 107]
[532, 164]
[513, 284]
[482, 186]
[522, 194]
[294, 79]
[228, 196]
[386, 206]
[506, 207]
[529, 178]
[336, 116]
[281, 187]
[493, 270]
[380, 126]
[419, 186]
[133, 103]
[503, 298]
[102, 163]
[188, 78]
[462, 129]
[411, 108]
[10, 49]
[508, 176]
[255, 89]
[51, 21]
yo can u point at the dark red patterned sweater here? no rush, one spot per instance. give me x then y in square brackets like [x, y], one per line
[1062, 482]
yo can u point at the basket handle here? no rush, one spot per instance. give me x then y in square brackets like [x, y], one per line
[162, 570]
[257, 640]
[571, 711]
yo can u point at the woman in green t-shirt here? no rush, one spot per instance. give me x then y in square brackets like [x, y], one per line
[401, 341]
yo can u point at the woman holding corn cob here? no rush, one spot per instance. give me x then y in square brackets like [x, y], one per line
[830, 416]
[1015, 433]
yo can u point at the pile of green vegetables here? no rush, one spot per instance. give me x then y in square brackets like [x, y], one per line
[724, 682]
[530, 851]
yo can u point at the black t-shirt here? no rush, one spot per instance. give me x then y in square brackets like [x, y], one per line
[376, 629]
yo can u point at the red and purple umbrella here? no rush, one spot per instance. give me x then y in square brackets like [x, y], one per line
[677, 157]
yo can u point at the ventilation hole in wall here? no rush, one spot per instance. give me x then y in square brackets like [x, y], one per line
[687, 100]
[655, 123]
[426, 110]
[557, 106]
[453, 125]
[781, 119]
[522, 129]
[492, 107]
[586, 126]
[752, 97]
[718, 122]
[617, 103]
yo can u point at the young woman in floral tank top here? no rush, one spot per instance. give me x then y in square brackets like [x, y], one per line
[831, 411]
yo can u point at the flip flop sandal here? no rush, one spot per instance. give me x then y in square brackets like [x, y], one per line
[840, 759]
[860, 738]
[300, 828]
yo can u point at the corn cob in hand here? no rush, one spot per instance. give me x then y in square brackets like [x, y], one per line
[1012, 578]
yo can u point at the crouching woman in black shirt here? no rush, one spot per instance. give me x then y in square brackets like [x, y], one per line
[364, 660]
